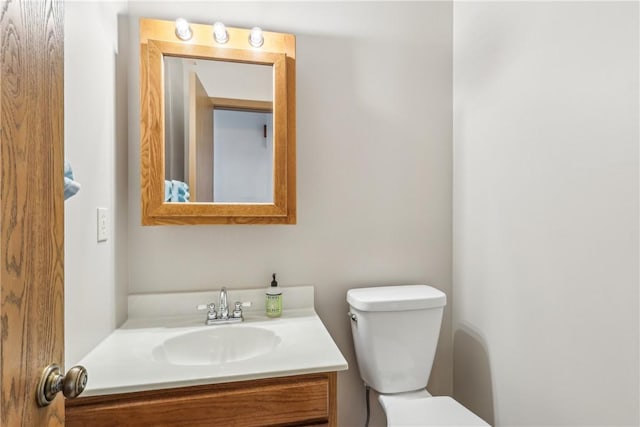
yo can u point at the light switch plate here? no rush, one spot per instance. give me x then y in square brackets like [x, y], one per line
[102, 225]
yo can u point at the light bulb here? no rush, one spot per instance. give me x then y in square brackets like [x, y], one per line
[255, 37]
[220, 34]
[183, 30]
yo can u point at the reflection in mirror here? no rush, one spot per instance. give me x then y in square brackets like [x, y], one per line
[218, 131]
[243, 156]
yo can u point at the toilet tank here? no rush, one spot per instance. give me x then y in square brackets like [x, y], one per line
[395, 332]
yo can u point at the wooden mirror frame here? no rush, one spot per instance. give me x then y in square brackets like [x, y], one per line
[158, 38]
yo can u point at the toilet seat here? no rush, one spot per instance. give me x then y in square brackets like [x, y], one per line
[413, 410]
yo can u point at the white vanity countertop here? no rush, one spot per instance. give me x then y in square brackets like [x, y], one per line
[126, 361]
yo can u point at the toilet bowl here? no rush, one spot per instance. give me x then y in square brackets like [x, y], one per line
[395, 332]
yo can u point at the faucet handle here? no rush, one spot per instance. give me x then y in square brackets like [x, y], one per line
[212, 310]
[237, 312]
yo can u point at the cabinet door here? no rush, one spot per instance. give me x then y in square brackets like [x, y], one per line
[297, 400]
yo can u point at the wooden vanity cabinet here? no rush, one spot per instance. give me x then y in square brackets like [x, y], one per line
[300, 400]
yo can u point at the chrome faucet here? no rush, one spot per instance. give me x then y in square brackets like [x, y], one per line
[222, 315]
[223, 311]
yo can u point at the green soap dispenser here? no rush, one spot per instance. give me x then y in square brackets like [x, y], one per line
[274, 299]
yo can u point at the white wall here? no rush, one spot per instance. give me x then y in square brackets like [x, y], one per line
[374, 168]
[96, 145]
[546, 212]
[235, 80]
[242, 156]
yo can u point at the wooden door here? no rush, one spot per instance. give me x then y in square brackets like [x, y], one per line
[200, 141]
[31, 207]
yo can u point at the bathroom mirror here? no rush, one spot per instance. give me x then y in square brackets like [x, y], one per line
[217, 127]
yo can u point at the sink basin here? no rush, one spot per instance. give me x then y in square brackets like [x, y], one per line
[216, 345]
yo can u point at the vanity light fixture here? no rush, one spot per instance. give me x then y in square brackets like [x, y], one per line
[183, 30]
[220, 34]
[256, 39]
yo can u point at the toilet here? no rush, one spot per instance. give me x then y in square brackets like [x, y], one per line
[395, 332]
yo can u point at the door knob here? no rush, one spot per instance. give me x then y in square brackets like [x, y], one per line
[52, 381]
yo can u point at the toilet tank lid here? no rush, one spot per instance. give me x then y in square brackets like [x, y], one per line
[396, 298]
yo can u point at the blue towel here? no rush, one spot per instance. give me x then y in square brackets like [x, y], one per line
[179, 191]
[71, 187]
[167, 191]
